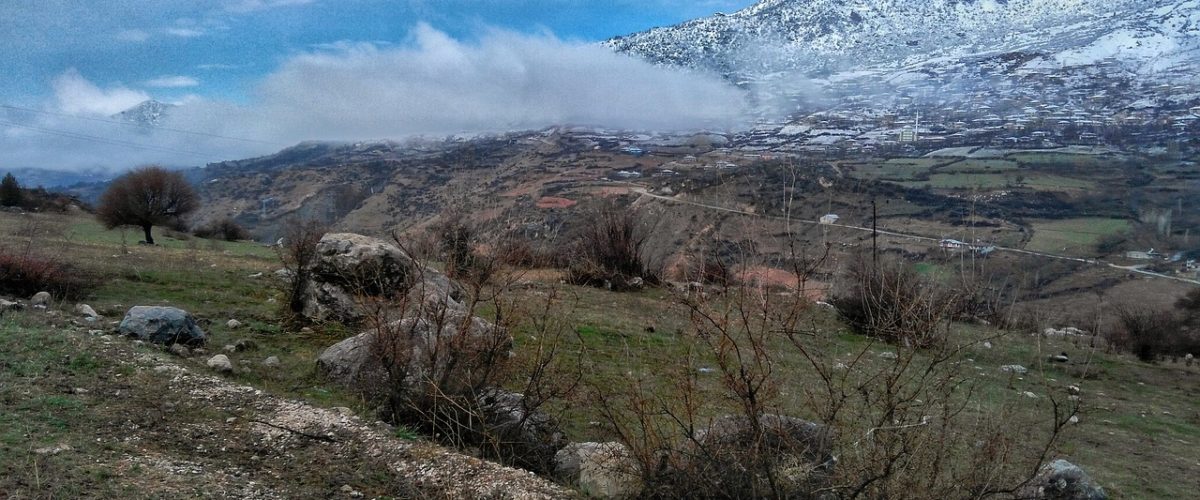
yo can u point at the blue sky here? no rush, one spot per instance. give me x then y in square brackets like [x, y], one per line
[254, 76]
[171, 49]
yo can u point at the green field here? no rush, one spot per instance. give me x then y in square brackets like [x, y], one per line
[621, 340]
[1074, 236]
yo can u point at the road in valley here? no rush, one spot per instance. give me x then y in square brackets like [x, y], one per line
[641, 190]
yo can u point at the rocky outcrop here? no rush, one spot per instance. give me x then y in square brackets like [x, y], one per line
[526, 435]
[599, 470]
[1063, 480]
[441, 346]
[162, 325]
[349, 266]
[801, 452]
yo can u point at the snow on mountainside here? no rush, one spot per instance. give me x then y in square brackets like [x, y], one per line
[149, 113]
[823, 37]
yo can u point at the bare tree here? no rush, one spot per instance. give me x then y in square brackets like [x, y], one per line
[297, 251]
[146, 197]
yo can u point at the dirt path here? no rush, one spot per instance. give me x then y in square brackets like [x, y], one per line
[157, 426]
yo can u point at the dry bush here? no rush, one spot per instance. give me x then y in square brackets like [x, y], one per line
[226, 229]
[1153, 334]
[890, 301]
[609, 251]
[447, 373]
[297, 253]
[910, 424]
[23, 274]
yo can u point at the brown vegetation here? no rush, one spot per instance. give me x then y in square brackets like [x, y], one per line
[146, 197]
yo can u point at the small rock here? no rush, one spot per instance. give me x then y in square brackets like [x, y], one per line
[1060, 358]
[53, 450]
[271, 362]
[1029, 395]
[346, 488]
[229, 348]
[220, 363]
[255, 275]
[888, 355]
[1073, 420]
[987, 345]
[1189, 359]
[705, 369]
[231, 420]
[41, 299]
[8, 305]
[1017, 369]
[180, 350]
[245, 345]
[1073, 390]
[86, 311]
[233, 324]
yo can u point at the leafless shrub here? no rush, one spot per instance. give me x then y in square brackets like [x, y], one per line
[609, 251]
[883, 421]
[890, 301]
[1153, 334]
[297, 252]
[225, 228]
[448, 371]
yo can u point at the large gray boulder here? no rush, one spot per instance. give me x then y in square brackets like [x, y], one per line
[162, 325]
[800, 453]
[1063, 480]
[442, 346]
[520, 433]
[349, 267]
[599, 470]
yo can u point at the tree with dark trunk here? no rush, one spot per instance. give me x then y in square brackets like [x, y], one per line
[146, 197]
[10, 191]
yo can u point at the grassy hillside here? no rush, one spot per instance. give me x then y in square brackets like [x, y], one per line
[1138, 433]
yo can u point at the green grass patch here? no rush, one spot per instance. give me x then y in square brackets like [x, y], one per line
[1074, 236]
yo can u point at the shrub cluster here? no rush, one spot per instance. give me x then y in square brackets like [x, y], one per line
[25, 275]
[1152, 334]
[609, 252]
[224, 229]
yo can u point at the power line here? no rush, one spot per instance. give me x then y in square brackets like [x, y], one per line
[128, 124]
[109, 141]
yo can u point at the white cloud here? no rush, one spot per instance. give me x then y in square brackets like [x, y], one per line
[172, 82]
[216, 67]
[506, 81]
[133, 36]
[184, 32]
[75, 94]
[434, 85]
[253, 5]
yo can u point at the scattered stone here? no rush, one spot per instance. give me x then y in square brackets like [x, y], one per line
[1062, 480]
[255, 275]
[271, 362]
[53, 450]
[86, 311]
[599, 470]
[532, 437]
[1017, 369]
[231, 420]
[180, 350]
[1073, 420]
[243, 345]
[1029, 395]
[1189, 359]
[40, 300]
[229, 348]
[987, 345]
[8, 305]
[162, 325]
[705, 369]
[1060, 358]
[1073, 390]
[233, 324]
[220, 363]
[888, 355]
[306, 330]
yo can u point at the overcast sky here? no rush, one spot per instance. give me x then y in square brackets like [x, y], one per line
[290, 70]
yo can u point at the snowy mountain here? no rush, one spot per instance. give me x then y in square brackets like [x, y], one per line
[149, 113]
[820, 38]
